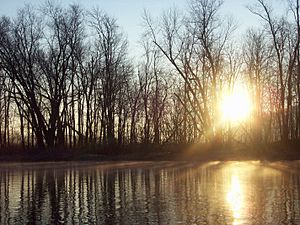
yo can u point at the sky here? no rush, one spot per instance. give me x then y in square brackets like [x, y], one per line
[129, 12]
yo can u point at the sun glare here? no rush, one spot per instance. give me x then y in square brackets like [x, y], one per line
[236, 106]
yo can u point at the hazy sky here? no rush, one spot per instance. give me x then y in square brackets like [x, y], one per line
[129, 12]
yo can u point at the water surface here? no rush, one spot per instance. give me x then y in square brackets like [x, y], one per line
[150, 193]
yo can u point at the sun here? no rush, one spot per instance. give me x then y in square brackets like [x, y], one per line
[236, 106]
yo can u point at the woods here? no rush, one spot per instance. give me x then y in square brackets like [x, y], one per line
[67, 81]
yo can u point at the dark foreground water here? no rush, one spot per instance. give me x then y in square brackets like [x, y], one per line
[150, 193]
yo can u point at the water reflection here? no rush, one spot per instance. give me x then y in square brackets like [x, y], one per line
[235, 198]
[150, 193]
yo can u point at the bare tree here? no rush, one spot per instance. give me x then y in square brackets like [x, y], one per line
[285, 46]
[196, 48]
[113, 46]
[257, 60]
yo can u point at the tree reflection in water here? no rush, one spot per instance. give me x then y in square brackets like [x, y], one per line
[150, 193]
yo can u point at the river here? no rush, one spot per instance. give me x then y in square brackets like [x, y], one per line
[250, 192]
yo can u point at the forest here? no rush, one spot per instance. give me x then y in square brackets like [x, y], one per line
[67, 80]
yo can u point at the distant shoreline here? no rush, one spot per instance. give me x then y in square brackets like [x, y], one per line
[200, 152]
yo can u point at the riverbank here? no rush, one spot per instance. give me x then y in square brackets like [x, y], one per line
[196, 152]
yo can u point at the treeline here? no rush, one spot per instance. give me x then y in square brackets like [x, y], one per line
[66, 79]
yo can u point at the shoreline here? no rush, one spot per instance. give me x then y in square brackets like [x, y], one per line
[201, 153]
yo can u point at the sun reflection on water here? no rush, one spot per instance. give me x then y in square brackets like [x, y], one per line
[235, 199]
